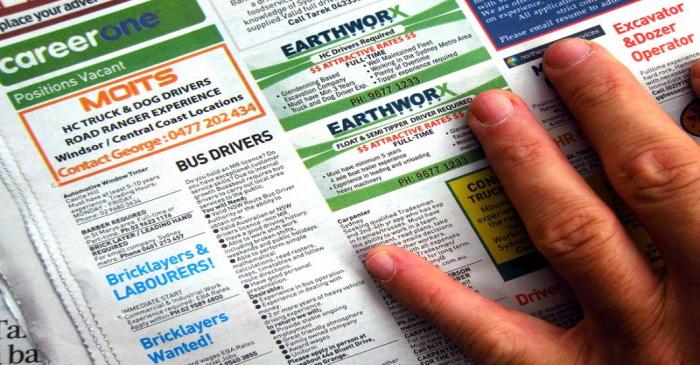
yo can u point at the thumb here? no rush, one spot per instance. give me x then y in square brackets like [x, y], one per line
[485, 330]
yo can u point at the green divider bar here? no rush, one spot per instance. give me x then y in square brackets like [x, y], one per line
[96, 37]
[279, 68]
[522, 265]
[144, 58]
[358, 196]
[312, 115]
[265, 83]
[444, 19]
[439, 9]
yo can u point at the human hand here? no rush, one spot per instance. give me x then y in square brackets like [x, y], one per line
[633, 314]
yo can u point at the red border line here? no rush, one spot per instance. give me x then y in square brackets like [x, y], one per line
[239, 73]
[28, 4]
[53, 21]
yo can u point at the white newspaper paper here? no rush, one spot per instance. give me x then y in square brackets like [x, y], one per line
[15, 347]
[201, 180]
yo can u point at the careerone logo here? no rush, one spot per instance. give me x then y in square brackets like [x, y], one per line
[77, 43]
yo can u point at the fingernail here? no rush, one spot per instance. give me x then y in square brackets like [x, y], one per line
[381, 266]
[567, 52]
[492, 109]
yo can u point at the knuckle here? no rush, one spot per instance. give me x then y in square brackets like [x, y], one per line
[604, 90]
[490, 344]
[578, 235]
[658, 172]
[516, 154]
[432, 304]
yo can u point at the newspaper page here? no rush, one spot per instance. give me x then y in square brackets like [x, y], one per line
[15, 347]
[32, 298]
[205, 177]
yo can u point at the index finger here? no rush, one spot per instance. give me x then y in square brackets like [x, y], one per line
[486, 330]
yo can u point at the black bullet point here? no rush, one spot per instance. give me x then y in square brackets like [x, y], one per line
[207, 216]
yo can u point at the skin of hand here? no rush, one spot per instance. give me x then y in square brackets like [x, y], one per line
[633, 314]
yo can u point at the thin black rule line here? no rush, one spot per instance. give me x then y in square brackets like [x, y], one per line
[133, 206]
[363, 352]
[154, 250]
[465, 266]
[182, 314]
[253, 358]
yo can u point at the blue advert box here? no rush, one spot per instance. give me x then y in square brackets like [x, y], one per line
[509, 22]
